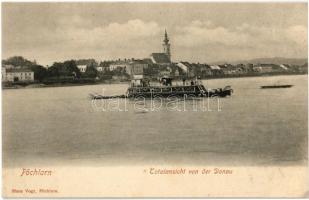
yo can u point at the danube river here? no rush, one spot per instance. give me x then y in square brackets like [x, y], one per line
[61, 125]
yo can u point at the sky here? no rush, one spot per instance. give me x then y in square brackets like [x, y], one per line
[199, 32]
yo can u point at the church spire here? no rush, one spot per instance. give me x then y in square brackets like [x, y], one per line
[166, 45]
[166, 40]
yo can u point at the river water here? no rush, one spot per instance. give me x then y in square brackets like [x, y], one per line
[61, 125]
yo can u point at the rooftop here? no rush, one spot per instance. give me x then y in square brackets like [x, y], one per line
[18, 70]
[160, 58]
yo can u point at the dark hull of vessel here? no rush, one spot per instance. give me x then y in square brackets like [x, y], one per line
[275, 86]
[176, 91]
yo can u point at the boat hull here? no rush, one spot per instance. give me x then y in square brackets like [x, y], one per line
[275, 86]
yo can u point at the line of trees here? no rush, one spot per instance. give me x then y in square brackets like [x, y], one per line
[58, 71]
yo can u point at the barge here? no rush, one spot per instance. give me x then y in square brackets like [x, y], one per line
[142, 88]
[178, 91]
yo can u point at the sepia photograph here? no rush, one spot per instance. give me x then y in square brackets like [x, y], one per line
[154, 99]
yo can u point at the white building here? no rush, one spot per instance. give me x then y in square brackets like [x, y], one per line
[100, 69]
[214, 67]
[120, 64]
[82, 68]
[263, 68]
[283, 67]
[17, 75]
[184, 66]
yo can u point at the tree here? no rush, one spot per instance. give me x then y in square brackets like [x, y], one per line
[40, 72]
[86, 62]
[67, 68]
[54, 70]
[70, 68]
[91, 71]
[18, 61]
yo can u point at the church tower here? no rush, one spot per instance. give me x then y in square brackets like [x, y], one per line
[166, 46]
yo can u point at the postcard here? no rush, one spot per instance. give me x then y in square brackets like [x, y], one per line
[154, 99]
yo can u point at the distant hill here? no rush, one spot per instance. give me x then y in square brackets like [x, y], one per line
[275, 60]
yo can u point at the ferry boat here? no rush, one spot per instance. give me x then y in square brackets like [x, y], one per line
[141, 87]
[193, 89]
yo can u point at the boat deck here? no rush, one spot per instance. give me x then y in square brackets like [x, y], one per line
[196, 90]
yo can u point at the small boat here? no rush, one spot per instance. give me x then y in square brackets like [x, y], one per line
[275, 86]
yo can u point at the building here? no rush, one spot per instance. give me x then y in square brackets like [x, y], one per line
[82, 68]
[167, 72]
[3, 74]
[176, 73]
[214, 67]
[240, 69]
[165, 57]
[103, 66]
[284, 67]
[100, 68]
[120, 64]
[184, 66]
[216, 70]
[148, 61]
[195, 69]
[138, 67]
[17, 74]
[205, 70]
[130, 66]
[263, 68]
[160, 59]
[187, 68]
[279, 68]
[227, 69]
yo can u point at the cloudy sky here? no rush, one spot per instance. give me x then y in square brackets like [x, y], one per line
[199, 32]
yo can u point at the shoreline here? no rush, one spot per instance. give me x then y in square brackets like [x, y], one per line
[42, 85]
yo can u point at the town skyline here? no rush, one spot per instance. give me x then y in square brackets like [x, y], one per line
[213, 32]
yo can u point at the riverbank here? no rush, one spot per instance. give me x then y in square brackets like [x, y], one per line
[42, 85]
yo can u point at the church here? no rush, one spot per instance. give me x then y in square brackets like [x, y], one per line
[165, 57]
